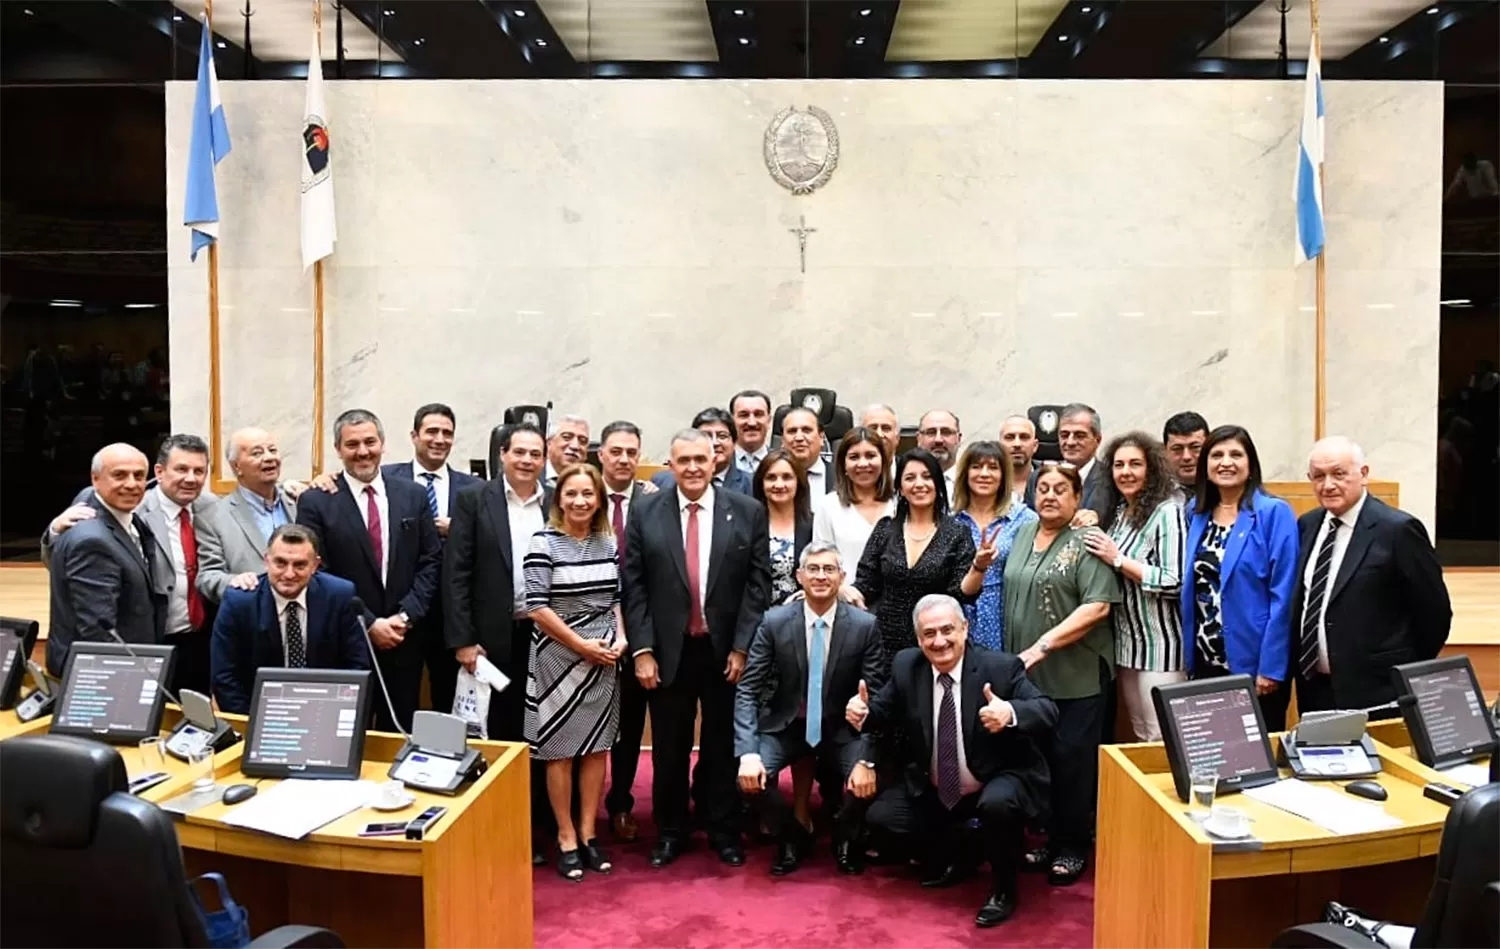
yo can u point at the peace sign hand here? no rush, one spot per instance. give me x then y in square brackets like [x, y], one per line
[988, 548]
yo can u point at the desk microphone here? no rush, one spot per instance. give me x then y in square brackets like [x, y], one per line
[211, 730]
[1400, 703]
[358, 606]
[41, 699]
[113, 634]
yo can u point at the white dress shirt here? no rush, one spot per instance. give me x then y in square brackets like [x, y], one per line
[382, 504]
[967, 783]
[526, 518]
[1340, 545]
[125, 519]
[177, 606]
[281, 604]
[817, 479]
[440, 484]
[950, 478]
[705, 537]
[844, 527]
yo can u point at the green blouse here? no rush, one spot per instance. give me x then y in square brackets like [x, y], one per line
[1041, 590]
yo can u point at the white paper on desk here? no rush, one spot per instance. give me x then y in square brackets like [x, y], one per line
[1471, 775]
[1330, 808]
[298, 806]
[486, 672]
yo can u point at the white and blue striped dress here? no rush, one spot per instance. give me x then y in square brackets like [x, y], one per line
[572, 706]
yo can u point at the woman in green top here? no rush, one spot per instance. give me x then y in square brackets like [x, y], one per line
[1057, 604]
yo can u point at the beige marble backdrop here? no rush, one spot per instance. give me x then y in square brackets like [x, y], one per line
[619, 249]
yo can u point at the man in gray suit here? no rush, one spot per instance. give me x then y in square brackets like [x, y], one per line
[101, 579]
[807, 660]
[232, 536]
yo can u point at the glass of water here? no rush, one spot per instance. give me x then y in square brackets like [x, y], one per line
[1204, 781]
[201, 767]
[151, 757]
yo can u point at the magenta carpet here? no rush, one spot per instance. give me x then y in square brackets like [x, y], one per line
[698, 903]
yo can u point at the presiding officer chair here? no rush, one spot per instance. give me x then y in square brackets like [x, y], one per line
[87, 864]
[1463, 907]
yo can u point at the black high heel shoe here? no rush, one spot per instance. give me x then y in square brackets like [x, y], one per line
[569, 865]
[594, 857]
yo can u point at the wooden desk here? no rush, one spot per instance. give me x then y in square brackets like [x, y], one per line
[1393, 734]
[11, 726]
[468, 883]
[1160, 883]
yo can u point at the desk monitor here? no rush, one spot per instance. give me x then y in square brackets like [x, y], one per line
[1215, 723]
[1448, 723]
[110, 695]
[307, 723]
[17, 639]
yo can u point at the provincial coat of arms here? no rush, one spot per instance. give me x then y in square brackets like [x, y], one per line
[1047, 421]
[801, 149]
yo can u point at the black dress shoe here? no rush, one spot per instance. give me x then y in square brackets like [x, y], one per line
[945, 876]
[996, 910]
[851, 861]
[667, 849]
[732, 854]
[538, 858]
[788, 858]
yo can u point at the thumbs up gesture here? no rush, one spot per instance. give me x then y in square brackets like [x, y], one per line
[988, 548]
[996, 713]
[858, 707]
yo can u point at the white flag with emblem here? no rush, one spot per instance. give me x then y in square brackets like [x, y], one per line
[319, 229]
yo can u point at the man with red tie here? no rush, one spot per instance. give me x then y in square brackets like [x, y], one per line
[697, 579]
[378, 533]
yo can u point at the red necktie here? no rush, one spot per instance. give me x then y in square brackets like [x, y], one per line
[372, 523]
[617, 520]
[697, 626]
[190, 563]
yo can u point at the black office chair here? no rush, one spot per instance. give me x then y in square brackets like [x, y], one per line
[1046, 418]
[532, 414]
[1463, 907]
[87, 864]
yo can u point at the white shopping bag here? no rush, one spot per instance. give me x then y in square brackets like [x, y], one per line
[471, 699]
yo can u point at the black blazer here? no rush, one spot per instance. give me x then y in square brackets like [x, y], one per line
[411, 562]
[479, 587]
[772, 692]
[656, 596]
[247, 637]
[900, 722]
[1387, 606]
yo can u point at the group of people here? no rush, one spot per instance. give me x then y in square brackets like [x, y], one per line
[935, 637]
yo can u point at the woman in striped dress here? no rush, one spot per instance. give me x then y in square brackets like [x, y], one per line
[572, 707]
[1141, 536]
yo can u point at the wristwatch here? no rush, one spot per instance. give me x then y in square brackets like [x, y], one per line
[404, 618]
[1119, 559]
[1042, 647]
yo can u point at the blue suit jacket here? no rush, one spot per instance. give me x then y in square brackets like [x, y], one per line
[247, 636]
[734, 480]
[1257, 582]
[406, 471]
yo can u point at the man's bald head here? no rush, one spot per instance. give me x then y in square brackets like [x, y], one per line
[255, 460]
[118, 473]
[1336, 467]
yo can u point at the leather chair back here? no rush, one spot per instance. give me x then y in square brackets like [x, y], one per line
[1461, 905]
[86, 864]
[1046, 418]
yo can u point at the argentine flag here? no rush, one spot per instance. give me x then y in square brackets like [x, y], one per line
[1309, 189]
[208, 146]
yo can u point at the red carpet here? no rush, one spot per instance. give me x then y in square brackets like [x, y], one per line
[698, 902]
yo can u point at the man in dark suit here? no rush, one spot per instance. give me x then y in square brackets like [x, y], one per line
[295, 618]
[107, 572]
[1370, 593]
[697, 579]
[432, 431]
[966, 722]
[377, 533]
[718, 425]
[1079, 434]
[806, 661]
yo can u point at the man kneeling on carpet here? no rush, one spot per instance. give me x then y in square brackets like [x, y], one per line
[806, 660]
[965, 720]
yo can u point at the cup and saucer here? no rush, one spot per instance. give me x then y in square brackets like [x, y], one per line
[392, 796]
[1227, 823]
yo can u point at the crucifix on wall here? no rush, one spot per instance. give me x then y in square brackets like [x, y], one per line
[802, 230]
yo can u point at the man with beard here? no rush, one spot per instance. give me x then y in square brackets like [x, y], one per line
[1018, 438]
[939, 432]
[567, 444]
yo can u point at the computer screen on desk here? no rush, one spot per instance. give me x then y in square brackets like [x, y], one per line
[1215, 723]
[307, 723]
[112, 693]
[17, 637]
[1448, 722]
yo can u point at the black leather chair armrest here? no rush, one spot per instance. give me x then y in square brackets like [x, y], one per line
[1319, 936]
[303, 937]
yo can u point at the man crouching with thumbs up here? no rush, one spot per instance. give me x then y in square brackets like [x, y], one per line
[965, 721]
[806, 659]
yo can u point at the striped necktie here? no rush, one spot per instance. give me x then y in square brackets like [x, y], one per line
[1317, 593]
[432, 507]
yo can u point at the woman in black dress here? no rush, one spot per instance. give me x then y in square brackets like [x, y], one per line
[917, 551]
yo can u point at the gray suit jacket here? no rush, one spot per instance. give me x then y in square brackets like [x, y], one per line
[102, 581]
[230, 543]
[150, 511]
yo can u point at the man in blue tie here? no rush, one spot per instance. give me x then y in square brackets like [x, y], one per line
[806, 661]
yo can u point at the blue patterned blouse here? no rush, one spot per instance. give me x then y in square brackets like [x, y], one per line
[986, 615]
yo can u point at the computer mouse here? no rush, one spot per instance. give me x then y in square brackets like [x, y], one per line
[238, 793]
[1366, 789]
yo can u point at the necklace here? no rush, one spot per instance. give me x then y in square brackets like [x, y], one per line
[915, 537]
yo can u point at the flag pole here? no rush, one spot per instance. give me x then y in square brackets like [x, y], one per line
[317, 443]
[215, 427]
[1320, 397]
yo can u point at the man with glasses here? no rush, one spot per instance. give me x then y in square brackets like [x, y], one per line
[719, 427]
[567, 444]
[939, 432]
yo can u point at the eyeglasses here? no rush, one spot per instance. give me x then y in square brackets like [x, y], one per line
[822, 569]
[938, 432]
[716, 436]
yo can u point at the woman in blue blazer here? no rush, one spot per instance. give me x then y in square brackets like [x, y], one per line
[1239, 574]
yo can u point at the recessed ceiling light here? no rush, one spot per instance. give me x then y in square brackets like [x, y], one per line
[1385, 39]
[177, 17]
[866, 11]
[541, 42]
[1063, 38]
[738, 11]
[27, 11]
[419, 41]
[140, 306]
[744, 41]
[223, 45]
[1085, 9]
[519, 13]
[64, 303]
[859, 41]
[1431, 10]
[389, 12]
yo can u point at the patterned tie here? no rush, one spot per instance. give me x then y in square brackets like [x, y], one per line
[432, 507]
[296, 645]
[617, 521]
[697, 625]
[1308, 663]
[949, 788]
[815, 659]
[190, 563]
[372, 523]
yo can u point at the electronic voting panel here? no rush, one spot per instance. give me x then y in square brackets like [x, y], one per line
[111, 692]
[1449, 724]
[307, 723]
[1215, 723]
